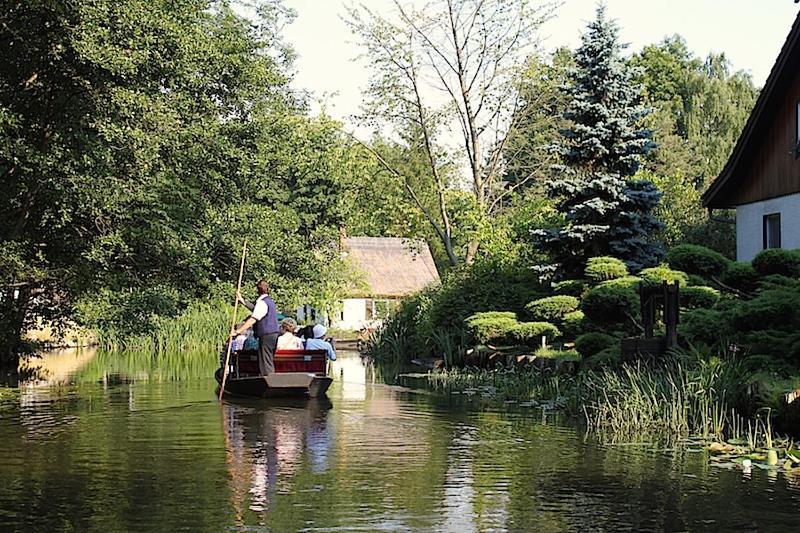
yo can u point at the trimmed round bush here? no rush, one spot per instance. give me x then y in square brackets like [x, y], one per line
[699, 297]
[573, 323]
[694, 259]
[704, 326]
[778, 261]
[491, 326]
[531, 333]
[776, 281]
[741, 275]
[609, 357]
[570, 287]
[552, 308]
[611, 302]
[696, 281]
[589, 344]
[605, 268]
[771, 309]
[663, 273]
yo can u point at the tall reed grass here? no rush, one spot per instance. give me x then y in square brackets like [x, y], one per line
[687, 393]
[203, 326]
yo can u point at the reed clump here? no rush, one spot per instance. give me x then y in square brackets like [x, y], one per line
[200, 327]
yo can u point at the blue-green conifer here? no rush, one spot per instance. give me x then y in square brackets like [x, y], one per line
[606, 211]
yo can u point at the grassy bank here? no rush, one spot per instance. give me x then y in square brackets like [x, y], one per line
[200, 327]
[689, 393]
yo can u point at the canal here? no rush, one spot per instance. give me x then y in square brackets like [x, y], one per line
[116, 442]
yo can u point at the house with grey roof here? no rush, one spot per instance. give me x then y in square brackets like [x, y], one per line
[391, 268]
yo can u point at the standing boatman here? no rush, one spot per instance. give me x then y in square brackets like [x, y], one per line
[264, 318]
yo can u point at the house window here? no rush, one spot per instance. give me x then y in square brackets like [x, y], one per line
[772, 231]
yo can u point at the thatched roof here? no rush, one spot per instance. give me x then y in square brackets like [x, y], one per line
[393, 267]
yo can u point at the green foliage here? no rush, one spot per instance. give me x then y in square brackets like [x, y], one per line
[607, 358]
[611, 302]
[483, 286]
[663, 273]
[548, 352]
[694, 259]
[696, 281]
[573, 324]
[531, 333]
[770, 309]
[704, 326]
[552, 308]
[590, 344]
[606, 210]
[741, 276]
[570, 287]
[491, 326]
[699, 297]
[605, 268]
[152, 138]
[778, 261]
[702, 105]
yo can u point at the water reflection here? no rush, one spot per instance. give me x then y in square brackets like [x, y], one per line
[122, 444]
[267, 442]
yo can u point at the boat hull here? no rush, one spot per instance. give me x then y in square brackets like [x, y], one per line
[284, 384]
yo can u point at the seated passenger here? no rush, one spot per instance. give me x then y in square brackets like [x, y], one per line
[305, 333]
[318, 342]
[238, 343]
[287, 340]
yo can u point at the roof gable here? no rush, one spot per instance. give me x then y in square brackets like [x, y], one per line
[720, 193]
[393, 267]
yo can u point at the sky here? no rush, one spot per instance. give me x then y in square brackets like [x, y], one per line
[750, 32]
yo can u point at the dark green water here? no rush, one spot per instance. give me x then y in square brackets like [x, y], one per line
[117, 446]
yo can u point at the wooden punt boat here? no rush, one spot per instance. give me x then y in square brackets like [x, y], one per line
[300, 373]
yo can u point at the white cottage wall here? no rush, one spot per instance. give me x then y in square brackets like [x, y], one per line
[353, 315]
[750, 225]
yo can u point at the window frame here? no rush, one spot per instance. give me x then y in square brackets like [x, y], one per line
[765, 230]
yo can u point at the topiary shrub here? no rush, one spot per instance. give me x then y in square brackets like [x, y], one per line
[609, 357]
[776, 281]
[552, 308]
[531, 333]
[570, 287]
[741, 276]
[695, 280]
[626, 282]
[589, 344]
[694, 259]
[663, 273]
[699, 297]
[704, 326]
[573, 324]
[492, 326]
[605, 268]
[771, 309]
[611, 302]
[778, 261]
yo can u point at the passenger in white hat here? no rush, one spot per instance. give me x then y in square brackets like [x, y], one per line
[319, 342]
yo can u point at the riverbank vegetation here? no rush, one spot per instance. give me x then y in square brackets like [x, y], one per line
[144, 141]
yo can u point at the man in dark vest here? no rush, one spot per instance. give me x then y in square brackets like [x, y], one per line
[264, 318]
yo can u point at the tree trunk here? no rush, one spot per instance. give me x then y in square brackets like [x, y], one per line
[472, 250]
[12, 322]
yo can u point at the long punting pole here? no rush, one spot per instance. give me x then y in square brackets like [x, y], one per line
[233, 323]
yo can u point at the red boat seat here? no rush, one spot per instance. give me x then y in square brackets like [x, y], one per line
[311, 361]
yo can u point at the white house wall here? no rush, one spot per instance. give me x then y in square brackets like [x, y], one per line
[353, 314]
[750, 225]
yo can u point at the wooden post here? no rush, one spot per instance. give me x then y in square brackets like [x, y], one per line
[671, 312]
[233, 323]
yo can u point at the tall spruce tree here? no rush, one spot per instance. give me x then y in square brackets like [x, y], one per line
[606, 211]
